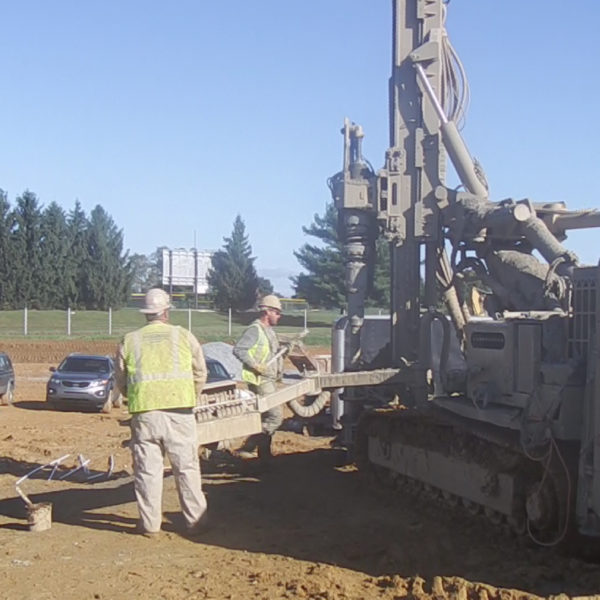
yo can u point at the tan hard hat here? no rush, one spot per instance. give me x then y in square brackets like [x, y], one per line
[270, 301]
[155, 302]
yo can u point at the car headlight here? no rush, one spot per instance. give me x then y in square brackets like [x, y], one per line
[54, 380]
[98, 382]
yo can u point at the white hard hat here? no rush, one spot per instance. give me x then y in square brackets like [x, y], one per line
[155, 302]
[270, 301]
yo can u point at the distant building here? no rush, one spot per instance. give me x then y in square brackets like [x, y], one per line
[186, 269]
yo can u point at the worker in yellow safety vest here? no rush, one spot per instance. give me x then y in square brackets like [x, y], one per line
[261, 369]
[161, 370]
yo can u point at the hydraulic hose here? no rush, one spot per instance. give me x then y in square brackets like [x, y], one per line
[310, 410]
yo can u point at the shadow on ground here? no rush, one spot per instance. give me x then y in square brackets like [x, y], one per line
[310, 507]
[33, 405]
[74, 506]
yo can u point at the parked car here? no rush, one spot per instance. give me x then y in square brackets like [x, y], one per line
[218, 378]
[7, 379]
[216, 370]
[84, 381]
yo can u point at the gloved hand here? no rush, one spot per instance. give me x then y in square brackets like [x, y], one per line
[261, 369]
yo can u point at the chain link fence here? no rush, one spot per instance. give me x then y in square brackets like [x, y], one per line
[207, 325]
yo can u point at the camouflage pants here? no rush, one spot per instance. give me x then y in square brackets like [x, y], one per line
[271, 421]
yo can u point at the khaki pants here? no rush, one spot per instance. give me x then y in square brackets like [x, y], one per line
[153, 434]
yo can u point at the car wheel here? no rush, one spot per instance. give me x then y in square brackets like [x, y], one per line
[8, 396]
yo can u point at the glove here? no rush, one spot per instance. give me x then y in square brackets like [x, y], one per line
[261, 369]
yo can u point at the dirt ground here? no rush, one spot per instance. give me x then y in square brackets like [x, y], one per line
[310, 527]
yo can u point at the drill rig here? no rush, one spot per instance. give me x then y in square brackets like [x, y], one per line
[496, 401]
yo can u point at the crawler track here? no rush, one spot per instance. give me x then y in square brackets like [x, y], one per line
[528, 493]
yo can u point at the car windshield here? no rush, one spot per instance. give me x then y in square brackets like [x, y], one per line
[216, 371]
[76, 364]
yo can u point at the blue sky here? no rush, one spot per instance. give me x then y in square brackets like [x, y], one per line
[178, 116]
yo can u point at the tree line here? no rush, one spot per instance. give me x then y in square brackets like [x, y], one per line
[234, 282]
[52, 259]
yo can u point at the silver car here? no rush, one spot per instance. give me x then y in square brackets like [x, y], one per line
[7, 379]
[83, 381]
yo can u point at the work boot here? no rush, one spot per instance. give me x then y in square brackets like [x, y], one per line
[264, 449]
[200, 528]
[247, 450]
[245, 455]
[140, 530]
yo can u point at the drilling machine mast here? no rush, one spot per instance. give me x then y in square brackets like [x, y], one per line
[499, 410]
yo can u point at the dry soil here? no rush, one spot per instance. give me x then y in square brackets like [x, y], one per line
[311, 527]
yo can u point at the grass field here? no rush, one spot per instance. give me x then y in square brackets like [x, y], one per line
[207, 326]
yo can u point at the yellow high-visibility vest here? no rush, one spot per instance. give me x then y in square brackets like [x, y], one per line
[158, 358]
[259, 352]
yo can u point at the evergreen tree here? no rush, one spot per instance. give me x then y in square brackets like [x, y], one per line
[54, 252]
[323, 282]
[77, 258]
[232, 276]
[27, 254]
[49, 260]
[265, 287]
[7, 258]
[108, 271]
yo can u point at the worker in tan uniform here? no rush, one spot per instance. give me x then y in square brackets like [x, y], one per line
[161, 370]
[257, 349]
